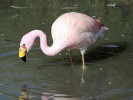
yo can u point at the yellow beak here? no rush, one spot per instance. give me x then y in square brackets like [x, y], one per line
[22, 53]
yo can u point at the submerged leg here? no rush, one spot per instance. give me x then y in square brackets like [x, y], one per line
[70, 55]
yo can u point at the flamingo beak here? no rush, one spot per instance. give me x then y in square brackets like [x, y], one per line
[22, 53]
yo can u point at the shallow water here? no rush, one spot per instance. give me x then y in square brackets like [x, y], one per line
[108, 74]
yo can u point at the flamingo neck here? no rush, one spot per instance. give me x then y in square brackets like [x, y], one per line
[48, 50]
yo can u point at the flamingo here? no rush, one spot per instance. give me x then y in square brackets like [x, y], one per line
[71, 30]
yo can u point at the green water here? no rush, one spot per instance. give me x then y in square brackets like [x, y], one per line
[109, 62]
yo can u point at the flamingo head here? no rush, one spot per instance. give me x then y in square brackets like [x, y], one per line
[22, 52]
[26, 44]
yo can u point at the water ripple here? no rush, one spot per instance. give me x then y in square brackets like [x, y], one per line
[8, 53]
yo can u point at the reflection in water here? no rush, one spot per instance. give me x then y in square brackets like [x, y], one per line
[53, 96]
[24, 93]
[92, 84]
[58, 94]
[82, 75]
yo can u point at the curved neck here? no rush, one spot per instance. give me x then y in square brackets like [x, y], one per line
[50, 51]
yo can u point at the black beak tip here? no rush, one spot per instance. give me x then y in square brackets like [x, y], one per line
[24, 58]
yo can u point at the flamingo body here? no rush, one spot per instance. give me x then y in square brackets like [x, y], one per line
[69, 31]
[75, 30]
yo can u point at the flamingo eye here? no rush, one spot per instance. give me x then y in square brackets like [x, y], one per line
[23, 46]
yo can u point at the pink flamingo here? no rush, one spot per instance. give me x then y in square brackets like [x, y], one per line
[70, 31]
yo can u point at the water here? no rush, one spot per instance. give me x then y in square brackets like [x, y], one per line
[108, 74]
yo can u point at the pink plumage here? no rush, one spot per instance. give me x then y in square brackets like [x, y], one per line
[69, 31]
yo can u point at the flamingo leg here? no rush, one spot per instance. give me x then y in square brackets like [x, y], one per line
[70, 55]
[83, 60]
